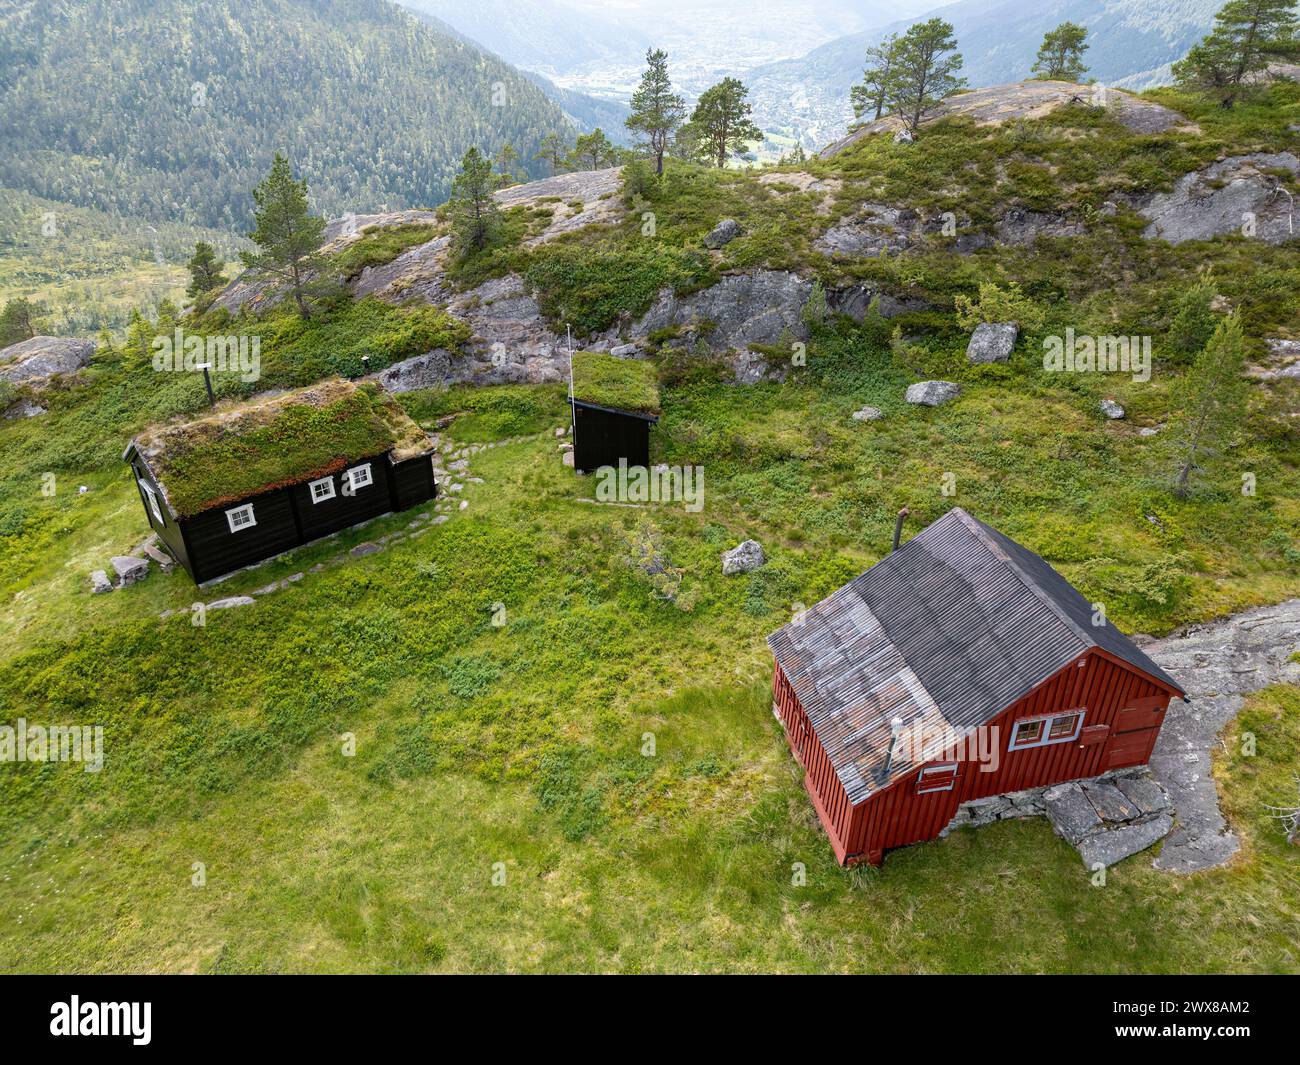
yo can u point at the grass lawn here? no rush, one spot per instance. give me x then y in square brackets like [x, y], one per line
[517, 749]
[497, 746]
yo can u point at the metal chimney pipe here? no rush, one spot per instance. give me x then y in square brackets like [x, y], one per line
[895, 727]
[898, 527]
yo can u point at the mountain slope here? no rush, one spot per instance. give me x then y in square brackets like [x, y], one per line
[171, 109]
[540, 35]
[1131, 43]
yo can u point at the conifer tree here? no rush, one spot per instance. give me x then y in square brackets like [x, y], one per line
[287, 234]
[1060, 57]
[656, 109]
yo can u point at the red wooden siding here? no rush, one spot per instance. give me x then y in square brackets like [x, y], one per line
[824, 787]
[1122, 711]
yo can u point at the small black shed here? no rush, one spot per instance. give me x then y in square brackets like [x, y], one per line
[615, 402]
[248, 482]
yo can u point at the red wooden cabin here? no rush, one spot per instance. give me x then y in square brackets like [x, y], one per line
[958, 667]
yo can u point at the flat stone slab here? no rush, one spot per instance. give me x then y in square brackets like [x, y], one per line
[1071, 813]
[231, 601]
[1115, 844]
[1144, 793]
[932, 393]
[1110, 803]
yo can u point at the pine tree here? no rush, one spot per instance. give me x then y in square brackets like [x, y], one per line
[1247, 35]
[18, 321]
[877, 79]
[722, 120]
[287, 234]
[592, 151]
[507, 159]
[551, 151]
[205, 271]
[1212, 399]
[475, 216]
[923, 71]
[656, 109]
[1060, 58]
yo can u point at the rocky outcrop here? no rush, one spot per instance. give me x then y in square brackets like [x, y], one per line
[430, 370]
[744, 558]
[418, 273]
[992, 342]
[584, 198]
[932, 393]
[763, 307]
[511, 342]
[1220, 663]
[1283, 361]
[877, 228]
[856, 300]
[1233, 195]
[35, 360]
[994, 105]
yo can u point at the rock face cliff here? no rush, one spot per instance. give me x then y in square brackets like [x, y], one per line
[36, 360]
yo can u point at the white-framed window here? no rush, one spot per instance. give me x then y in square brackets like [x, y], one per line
[241, 517]
[359, 477]
[1050, 728]
[939, 777]
[152, 496]
[322, 490]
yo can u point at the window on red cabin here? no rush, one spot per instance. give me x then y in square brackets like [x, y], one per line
[937, 778]
[1027, 733]
[1063, 727]
[1057, 728]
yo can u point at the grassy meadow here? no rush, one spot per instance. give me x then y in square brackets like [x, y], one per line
[498, 746]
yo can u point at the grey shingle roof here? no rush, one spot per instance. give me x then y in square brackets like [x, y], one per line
[944, 633]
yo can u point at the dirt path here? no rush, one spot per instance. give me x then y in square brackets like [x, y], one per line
[1220, 662]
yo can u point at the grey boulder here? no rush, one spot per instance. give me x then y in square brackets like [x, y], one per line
[932, 393]
[41, 357]
[867, 414]
[744, 558]
[99, 582]
[1111, 409]
[723, 233]
[992, 342]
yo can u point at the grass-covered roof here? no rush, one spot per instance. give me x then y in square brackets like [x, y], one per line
[242, 450]
[623, 384]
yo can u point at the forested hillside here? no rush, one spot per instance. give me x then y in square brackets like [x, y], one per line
[170, 110]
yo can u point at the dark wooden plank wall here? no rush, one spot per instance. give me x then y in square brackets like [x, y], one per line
[343, 511]
[603, 437]
[168, 530]
[215, 550]
[412, 482]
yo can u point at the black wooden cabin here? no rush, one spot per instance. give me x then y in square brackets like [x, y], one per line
[248, 527]
[602, 436]
[614, 403]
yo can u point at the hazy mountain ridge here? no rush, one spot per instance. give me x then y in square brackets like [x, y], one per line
[172, 109]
